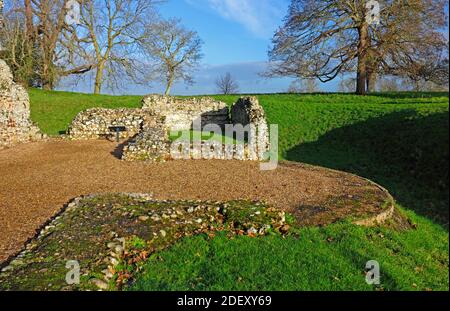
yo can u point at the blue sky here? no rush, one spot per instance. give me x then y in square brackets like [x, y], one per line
[233, 31]
[236, 35]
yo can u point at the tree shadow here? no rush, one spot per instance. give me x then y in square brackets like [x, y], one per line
[404, 151]
[404, 95]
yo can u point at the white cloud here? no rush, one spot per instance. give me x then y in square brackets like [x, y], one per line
[260, 17]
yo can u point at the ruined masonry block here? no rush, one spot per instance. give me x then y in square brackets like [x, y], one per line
[151, 144]
[95, 123]
[15, 122]
[148, 128]
[181, 114]
[248, 112]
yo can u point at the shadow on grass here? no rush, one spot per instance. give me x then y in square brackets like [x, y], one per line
[404, 151]
[403, 95]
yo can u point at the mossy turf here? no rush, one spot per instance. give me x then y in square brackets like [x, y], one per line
[220, 246]
[117, 232]
[399, 140]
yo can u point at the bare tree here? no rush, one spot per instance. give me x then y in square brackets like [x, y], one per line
[431, 69]
[408, 43]
[310, 86]
[46, 28]
[303, 86]
[42, 24]
[29, 20]
[175, 51]
[18, 49]
[322, 39]
[109, 34]
[104, 41]
[347, 85]
[389, 84]
[422, 86]
[294, 87]
[227, 85]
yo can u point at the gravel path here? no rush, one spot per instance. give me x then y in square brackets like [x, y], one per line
[37, 179]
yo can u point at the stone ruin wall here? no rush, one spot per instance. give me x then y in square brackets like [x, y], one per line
[181, 114]
[148, 128]
[177, 114]
[15, 123]
[95, 123]
[248, 112]
[151, 144]
[211, 150]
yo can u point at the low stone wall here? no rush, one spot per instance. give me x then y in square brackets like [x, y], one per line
[180, 114]
[95, 123]
[151, 144]
[248, 112]
[15, 123]
[211, 150]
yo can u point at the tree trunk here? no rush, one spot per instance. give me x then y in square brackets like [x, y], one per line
[363, 44]
[29, 20]
[99, 78]
[169, 85]
[47, 77]
[371, 81]
[47, 85]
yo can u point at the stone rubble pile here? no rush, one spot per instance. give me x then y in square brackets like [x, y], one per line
[15, 123]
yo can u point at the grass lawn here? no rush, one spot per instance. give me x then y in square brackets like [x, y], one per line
[53, 111]
[331, 258]
[398, 140]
